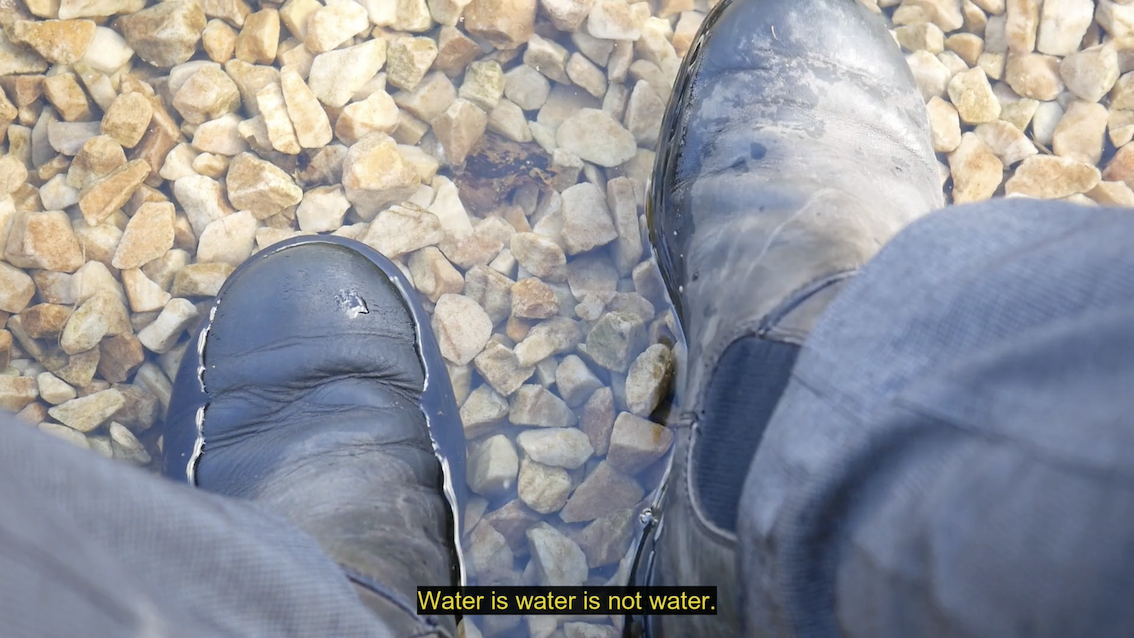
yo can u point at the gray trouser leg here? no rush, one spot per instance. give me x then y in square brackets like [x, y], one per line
[954, 455]
[91, 547]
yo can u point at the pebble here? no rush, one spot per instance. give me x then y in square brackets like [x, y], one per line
[595, 136]
[1081, 132]
[615, 340]
[534, 405]
[100, 198]
[525, 86]
[228, 240]
[332, 25]
[540, 256]
[972, 96]
[407, 61]
[1045, 120]
[922, 36]
[1007, 142]
[585, 74]
[161, 335]
[635, 443]
[613, 20]
[565, 447]
[506, 24]
[644, 113]
[219, 137]
[273, 111]
[148, 235]
[67, 434]
[1034, 75]
[200, 280]
[648, 378]
[57, 41]
[493, 466]
[567, 15]
[376, 114]
[41, 240]
[1119, 126]
[966, 46]
[1112, 194]
[557, 559]
[543, 488]
[1051, 177]
[165, 34]
[337, 75]
[488, 553]
[322, 209]
[459, 129]
[1021, 24]
[501, 368]
[605, 490]
[54, 390]
[126, 446]
[533, 299]
[259, 186]
[1062, 25]
[462, 328]
[1090, 73]
[508, 120]
[206, 95]
[375, 175]
[87, 413]
[399, 230]
[258, 40]
[575, 381]
[976, 171]
[17, 392]
[312, 127]
[483, 411]
[945, 125]
[45, 320]
[553, 336]
[930, 74]
[484, 84]
[143, 294]
[605, 540]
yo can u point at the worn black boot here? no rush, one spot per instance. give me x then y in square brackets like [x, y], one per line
[315, 388]
[795, 145]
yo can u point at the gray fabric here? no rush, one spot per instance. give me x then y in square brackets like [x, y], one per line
[91, 547]
[953, 454]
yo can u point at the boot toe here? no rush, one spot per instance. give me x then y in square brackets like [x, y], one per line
[297, 315]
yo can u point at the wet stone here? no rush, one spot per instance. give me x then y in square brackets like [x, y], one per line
[87, 413]
[493, 466]
[558, 560]
[605, 540]
[550, 337]
[558, 447]
[575, 382]
[635, 443]
[543, 488]
[648, 379]
[491, 290]
[533, 405]
[17, 392]
[462, 328]
[615, 340]
[533, 299]
[605, 490]
[482, 411]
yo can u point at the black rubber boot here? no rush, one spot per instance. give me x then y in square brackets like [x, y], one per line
[795, 145]
[315, 388]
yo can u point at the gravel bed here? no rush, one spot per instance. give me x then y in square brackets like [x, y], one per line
[498, 151]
